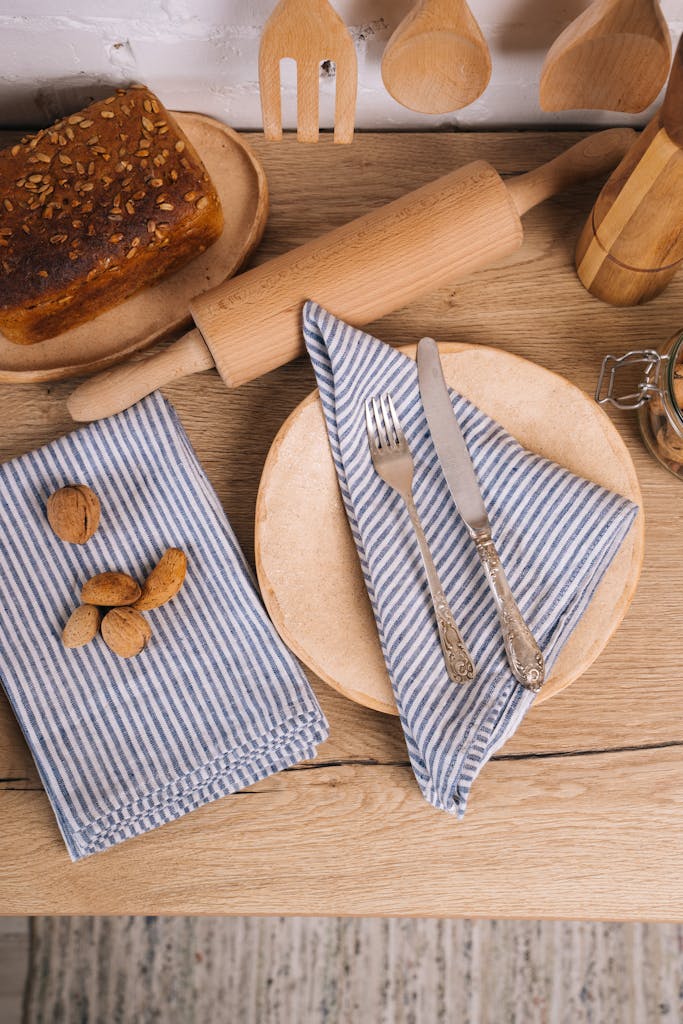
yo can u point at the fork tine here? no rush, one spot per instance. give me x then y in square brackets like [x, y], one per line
[307, 99]
[386, 419]
[345, 88]
[370, 425]
[396, 423]
[390, 420]
[269, 89]
[384, 441]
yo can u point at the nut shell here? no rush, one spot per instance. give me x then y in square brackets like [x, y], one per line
[164, 581]
[81, 626]
[73, 512]
[110, 589]
[125, 632]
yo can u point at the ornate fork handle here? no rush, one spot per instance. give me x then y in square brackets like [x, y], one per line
[524, 654]
[458, 662]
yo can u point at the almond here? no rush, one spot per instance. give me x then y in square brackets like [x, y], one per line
[110, 589]
[73, 512]
[125, 632]
[81, 626]
[164, 581]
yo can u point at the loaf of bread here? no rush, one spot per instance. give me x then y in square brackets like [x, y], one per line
[97, 206]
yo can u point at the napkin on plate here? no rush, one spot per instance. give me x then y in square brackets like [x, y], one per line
[213, 703]
[556, 533]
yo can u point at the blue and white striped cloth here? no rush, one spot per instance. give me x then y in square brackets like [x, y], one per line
[556, 535]
[214, 702]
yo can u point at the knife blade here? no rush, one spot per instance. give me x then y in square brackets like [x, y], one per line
[448, 440]
[523, 653]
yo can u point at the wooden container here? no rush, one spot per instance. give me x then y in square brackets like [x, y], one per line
[632, 243]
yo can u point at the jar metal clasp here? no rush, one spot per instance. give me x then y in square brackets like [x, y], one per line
[653, 364]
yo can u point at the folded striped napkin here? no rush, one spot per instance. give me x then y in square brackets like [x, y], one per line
[215, 701]
[556, 534]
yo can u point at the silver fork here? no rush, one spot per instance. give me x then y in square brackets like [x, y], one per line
[393, 462]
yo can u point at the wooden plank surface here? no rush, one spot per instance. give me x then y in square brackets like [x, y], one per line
[581, 814]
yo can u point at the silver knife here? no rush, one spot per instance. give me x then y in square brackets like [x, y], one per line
[523, 653]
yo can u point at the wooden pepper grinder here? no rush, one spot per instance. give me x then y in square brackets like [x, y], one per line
[632, 243]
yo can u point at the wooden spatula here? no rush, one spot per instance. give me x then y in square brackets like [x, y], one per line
[437, 59]
[309, 32]
[614, 56]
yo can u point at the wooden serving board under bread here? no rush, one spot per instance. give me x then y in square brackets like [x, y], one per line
[161, 310]
[306, 560]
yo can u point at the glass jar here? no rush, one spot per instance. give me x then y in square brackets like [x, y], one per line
[657, 395]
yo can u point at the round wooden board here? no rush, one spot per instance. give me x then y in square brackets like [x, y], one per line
[306, 560]
[156, 312]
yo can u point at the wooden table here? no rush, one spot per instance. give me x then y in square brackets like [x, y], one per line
[581, 814]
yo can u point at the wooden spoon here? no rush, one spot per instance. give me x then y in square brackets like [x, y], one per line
[437, 60]
[614, 56]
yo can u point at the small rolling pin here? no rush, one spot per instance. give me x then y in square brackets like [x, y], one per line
[251, 324]
[632, 243]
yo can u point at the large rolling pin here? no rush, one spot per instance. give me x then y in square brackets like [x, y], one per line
[251, 324]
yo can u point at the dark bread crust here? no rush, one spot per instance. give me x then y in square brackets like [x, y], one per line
[92, 209]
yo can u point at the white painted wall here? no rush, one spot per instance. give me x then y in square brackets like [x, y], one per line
[202, 55]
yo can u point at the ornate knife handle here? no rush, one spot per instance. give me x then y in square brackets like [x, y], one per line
[524, 654]
[459, 664]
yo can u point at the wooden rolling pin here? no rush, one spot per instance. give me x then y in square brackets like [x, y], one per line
[632, 243]
[251, 324]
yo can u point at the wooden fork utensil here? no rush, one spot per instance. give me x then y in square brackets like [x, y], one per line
[309, 32]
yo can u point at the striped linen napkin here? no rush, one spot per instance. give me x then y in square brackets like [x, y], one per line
[556, 534]
[214, 702]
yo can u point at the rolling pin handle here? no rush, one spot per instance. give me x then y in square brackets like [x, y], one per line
[115, 390]
[597, 154]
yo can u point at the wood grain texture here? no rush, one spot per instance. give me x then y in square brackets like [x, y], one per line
[557, 838]
[309, 32]
[614, 56]
[366, 268]
[437, 59]
[163, 309]
[581, 814]
[632, 243]
[306, 559]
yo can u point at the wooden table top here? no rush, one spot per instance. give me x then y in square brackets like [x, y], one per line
[580, 815]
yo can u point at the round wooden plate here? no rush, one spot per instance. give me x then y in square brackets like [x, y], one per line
[161, 310]
[307, 563]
